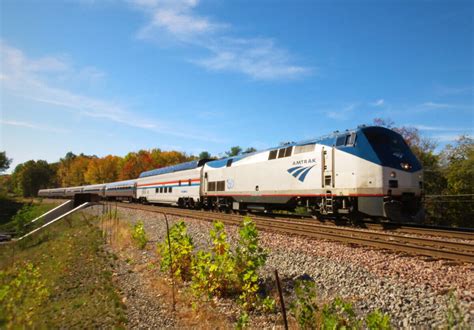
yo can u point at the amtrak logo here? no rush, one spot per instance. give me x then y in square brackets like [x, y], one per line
[300, 172]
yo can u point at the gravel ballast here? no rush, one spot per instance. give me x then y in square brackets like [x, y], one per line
[413, 290]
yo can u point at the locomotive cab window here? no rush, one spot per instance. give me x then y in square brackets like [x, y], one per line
[341, 140]
[281, 153]
[272, 154]
[229, 162]
[288, 151]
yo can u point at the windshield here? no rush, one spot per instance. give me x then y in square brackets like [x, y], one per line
[391, 149]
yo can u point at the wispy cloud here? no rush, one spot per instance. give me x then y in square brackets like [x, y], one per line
[258, 58]
[434, 105]
[344, 113]
[35, 79]
[378, 103]
[438, 128]
[445, 90]
[32, 126]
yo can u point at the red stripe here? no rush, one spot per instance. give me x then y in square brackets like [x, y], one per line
[301, 195]
[184, 182]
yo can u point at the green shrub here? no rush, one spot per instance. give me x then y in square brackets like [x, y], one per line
[454, 314]
[249, 258]
[214, 272]
[23, 217]
[305, 307]
[377, 320]
[139, 235]
[339, 315]
[20, 294]
[179, 259]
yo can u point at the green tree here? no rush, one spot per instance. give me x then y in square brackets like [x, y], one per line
[32, 176]
[204, 155]
[4, 162]
[459, 162]
[234, 151]
[249, 150]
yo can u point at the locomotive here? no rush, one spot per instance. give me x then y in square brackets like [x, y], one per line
[369, 171]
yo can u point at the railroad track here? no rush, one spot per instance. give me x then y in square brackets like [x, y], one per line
[420, 245]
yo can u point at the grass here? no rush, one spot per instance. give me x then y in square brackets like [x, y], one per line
[76, 272]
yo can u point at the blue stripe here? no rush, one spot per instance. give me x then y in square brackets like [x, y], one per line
[293, 168]
[299, 171]
[303, 175]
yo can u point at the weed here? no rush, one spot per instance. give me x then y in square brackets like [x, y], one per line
[179, 259]
[339, 315]
[243, 320]
[304, 308]
[249, 258]
[214, 272]
[377, 320]
[139, 235]
[454, 314]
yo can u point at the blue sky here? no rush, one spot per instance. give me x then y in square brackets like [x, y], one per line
[109, 77]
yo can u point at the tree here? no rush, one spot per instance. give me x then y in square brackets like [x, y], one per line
[103, 170]
[234, 151]
[459, 162]
[249, 150]
[4, 162]
[204, 155]
[32, 176]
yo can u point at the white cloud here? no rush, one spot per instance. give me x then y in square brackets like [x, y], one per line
[35, 79]
[437, 128]
[378, 103]
[444, 90]
[258, 58]
[434, 105]
[32, 126]
[344, 113]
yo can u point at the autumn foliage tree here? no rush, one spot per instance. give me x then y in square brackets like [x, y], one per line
[102, 170]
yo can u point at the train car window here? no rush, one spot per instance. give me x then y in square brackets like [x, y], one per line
[229, 163]
[170, 189]
[288, 151]
[220, 185]
[161, 190]
[211, 186]
[341, 140]
[189, 182]
[281, 153]
[272, 154]
[156, 190]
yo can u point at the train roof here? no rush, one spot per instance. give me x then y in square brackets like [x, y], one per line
[328, 139]
[175, 168]
[120, 183]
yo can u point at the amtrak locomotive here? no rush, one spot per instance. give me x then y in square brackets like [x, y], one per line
[368, 171]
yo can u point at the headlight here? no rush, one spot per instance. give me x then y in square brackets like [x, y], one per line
[405, 166]
[393, 174]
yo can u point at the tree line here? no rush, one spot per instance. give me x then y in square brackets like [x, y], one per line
[78, 170]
